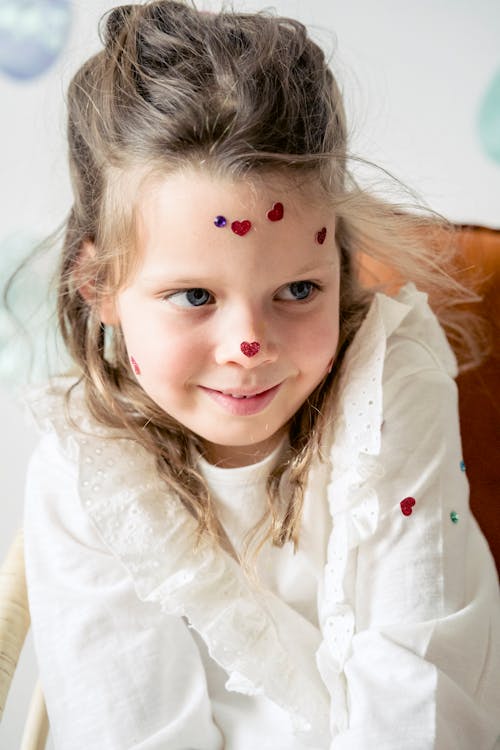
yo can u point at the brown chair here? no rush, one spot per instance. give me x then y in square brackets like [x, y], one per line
[479, 393]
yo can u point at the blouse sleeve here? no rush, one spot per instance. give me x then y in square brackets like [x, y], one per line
[116, 672]
[423, 664]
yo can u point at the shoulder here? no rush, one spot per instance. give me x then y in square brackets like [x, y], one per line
[72, 441]
[419, 393]
[68, 438]
[52, 475]
[418, 342]
[399, 343]
[59, 535]
[59, 407]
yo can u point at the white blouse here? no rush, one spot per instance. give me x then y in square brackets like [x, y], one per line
[382, 631]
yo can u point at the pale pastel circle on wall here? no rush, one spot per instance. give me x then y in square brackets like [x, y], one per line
[489, 119]
[32, 35]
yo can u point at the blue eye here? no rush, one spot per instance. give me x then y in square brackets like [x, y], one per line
[301, 289]
[190, 298]
[298, 290]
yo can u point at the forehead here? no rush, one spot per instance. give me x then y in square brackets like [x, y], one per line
[192, 187]
[195, 215]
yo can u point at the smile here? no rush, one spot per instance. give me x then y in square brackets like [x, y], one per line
[242, 404]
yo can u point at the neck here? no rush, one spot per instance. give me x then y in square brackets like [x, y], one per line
[233, 457]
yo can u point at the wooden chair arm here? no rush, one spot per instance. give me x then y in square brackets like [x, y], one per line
[14, 614]
[36, 729]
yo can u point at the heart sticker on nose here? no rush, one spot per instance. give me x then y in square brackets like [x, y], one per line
[320, 236]
[276, 213]
[241, 227]
[407, 506]
[250, 350]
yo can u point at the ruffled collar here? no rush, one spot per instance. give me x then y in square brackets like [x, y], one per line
[264, 645]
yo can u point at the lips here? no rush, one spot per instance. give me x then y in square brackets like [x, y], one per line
[242, 402]
[237, 393]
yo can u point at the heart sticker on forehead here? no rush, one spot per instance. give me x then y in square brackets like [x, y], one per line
[241, 227]
[276, 213]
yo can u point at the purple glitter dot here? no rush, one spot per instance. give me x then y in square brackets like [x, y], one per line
[220, 221]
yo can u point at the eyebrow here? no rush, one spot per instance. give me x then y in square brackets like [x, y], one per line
[161, 279]
[315, 267]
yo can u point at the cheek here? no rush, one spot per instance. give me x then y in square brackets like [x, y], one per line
[154, 344]
[162, 352]
[313, 345]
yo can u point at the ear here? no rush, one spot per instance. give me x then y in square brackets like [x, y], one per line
[105, 305]
[107, 311]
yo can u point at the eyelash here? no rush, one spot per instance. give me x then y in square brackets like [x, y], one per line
[169, 297]
[314, 287]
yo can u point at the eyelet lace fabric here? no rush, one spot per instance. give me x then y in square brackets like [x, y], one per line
[150, 531]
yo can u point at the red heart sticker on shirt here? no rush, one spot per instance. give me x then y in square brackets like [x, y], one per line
[407, 505]
[276, 213]
[241, 227]
[250, 349]
[321, 235]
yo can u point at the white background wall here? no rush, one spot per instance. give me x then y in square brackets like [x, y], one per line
[414, 74]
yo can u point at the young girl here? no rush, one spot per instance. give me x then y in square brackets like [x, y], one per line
[247, 521]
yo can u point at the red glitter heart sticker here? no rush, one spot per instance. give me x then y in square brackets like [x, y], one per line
[136, 367]
[241, 227]
[407, 505]
[276, 213]
[250, 350]
[320, 236]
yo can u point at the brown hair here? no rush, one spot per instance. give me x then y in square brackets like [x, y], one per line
[247, 94]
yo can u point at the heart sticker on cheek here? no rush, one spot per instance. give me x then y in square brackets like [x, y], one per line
[407, 506]
[276, 213]
[241, 227]
[250, 349]
[136, 367]
[321, 236]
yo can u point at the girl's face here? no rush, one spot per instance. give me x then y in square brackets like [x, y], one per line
[200, 290]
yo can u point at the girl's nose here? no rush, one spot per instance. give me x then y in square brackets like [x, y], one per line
[248, 346]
